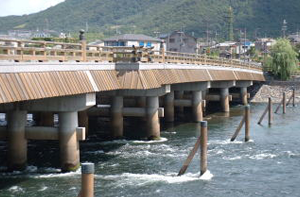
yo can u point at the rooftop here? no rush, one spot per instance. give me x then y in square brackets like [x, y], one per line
[132, 37]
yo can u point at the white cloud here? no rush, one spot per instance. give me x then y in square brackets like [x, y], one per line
[20, 7]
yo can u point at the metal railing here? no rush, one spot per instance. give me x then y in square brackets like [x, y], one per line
[28, 50]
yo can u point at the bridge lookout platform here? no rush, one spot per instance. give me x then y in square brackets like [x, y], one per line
[71, 80]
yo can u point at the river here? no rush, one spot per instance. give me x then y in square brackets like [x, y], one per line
[267, 166]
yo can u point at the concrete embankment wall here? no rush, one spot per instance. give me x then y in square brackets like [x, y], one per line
[260, 92]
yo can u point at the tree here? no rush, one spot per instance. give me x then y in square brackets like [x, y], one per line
[284, 60]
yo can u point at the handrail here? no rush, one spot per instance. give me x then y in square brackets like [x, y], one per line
[31, 50]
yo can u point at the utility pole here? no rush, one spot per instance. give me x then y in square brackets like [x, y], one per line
[284, 28]
[245, 34]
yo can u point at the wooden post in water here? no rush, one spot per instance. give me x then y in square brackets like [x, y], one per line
[247, 123]
[294, 97]
[270, 111]
[87, 180]
[283, 103]
[189, 158]
[238, 129]
[278, 107]
[203, 147]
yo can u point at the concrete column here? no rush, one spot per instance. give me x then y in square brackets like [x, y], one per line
[244, 98]
[204, 93]
[69, 146]
[152, 120]
[169, 107]
[46, 119]
[117, 117]
[17, 143]
[83, 120]
[179, 95]
[224, 93]
[197, 106]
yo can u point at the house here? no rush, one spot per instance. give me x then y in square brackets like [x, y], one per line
[133, 40]
[227, 49]
[179, 41]
[264, 44]
[294, 39]
[95, 44]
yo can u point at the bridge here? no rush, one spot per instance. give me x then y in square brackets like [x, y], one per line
[76, 81]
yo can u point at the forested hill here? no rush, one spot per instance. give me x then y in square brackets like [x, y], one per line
[147, 16]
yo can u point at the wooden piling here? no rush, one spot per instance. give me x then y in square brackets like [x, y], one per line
[278, 107]
[247, 123]
[283, 103]
[294, 94]
[203, 149]
[270, 111]
[189, 158]
[87, 180]
[263, 115]
[238, 129]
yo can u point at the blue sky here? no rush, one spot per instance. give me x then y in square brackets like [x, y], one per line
[20, 7]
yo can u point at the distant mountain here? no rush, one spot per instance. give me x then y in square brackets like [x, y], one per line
[263, 17]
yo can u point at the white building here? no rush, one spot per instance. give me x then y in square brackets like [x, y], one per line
[133, 40]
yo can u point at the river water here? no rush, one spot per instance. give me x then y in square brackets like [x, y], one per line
[268, 165]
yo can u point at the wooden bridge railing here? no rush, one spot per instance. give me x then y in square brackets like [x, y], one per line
[28, 50]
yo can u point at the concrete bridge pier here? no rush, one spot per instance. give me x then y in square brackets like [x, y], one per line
[68, 143]
[67, 108]
[196, 100]
[116, 113]
[169, 107]
[151, 112]
[243, 85]
[152, 119]
[224, 93]
[17, 142]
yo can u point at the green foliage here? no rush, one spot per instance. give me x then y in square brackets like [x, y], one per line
[297, 49]
[146, 16]
[284, 60]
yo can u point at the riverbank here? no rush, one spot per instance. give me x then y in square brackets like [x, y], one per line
[274, 88]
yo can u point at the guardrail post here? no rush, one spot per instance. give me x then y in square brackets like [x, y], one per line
[83, 45]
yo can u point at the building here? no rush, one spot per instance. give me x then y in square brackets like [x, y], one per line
[178, 41]
[95, 44]
[264, 44]
[294, 39]
[21, 34]
[133, 40]
[227, 49]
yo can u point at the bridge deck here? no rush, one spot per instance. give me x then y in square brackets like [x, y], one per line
[28, 81]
